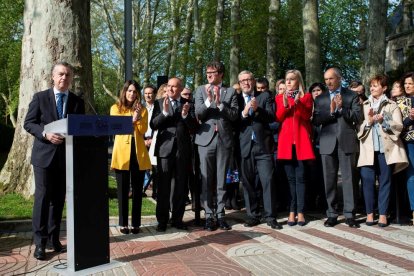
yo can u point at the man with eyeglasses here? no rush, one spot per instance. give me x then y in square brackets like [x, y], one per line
[216, 108]
[256, 148]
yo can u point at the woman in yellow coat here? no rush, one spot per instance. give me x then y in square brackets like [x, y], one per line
[130, 158]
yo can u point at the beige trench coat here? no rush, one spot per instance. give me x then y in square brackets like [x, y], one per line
[393, 147]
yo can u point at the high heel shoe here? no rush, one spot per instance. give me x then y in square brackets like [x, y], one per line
[291, 223]
[302, 223]
[369, 223]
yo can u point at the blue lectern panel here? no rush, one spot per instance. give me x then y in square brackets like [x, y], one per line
[98, 125]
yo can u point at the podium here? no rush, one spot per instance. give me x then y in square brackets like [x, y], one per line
[87, 211]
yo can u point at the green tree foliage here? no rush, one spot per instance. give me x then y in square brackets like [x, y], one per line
[339, 26]
[11, 18]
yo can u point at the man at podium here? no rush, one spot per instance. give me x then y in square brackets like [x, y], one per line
[48, 157]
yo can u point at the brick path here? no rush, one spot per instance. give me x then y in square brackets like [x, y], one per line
[309, 250]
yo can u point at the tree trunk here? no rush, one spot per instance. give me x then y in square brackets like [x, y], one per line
[148, 34]
[187, 40]
[271, 61]
[312, 43]
[53, 31]
[175, 14]
[375, 55]
[198, 66]
[235, 45]
[218, 28]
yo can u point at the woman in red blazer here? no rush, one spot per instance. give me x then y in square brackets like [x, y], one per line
[293, 111]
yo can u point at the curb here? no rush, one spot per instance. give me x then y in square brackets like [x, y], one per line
[26, 225]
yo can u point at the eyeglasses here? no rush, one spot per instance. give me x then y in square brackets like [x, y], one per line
[186, 94]
[212, 72]
[246, 80]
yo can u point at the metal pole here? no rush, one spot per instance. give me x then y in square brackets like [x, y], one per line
[128, 38]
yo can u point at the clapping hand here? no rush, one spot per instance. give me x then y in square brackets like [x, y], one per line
[411, 114]
[166, 104]
[338, 101]
[209, 93]
[185, 109]
[137, 112]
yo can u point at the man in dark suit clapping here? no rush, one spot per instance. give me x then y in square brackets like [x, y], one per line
[48, 156]
[256, 147]
[173, 117]
[338, 113]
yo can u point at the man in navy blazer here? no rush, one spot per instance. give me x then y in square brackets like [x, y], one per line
[216, 108]
[256, 147]
[338, 113]
[48, 156]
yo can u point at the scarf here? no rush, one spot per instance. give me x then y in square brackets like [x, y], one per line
[292, 94]
[376, 103]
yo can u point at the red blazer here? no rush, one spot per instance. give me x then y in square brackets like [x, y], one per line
[295, 127]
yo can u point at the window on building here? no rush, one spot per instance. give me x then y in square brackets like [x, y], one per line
[400, 56]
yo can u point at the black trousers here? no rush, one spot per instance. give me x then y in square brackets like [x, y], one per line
[260, 163]
[125, 179]
[49, 199]
[173, 167]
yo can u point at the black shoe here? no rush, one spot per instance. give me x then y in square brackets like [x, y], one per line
[330, 222]
[40, 252]
[369, 223]
[161, 227]
[291, 223]
[57, 247]
[352, 223]
[179, 225]
[222, 224]
[135, 230]
[380, 224]
[302, 223]
[252, 222]
[210, 225]
[124, 230]
[274, 224]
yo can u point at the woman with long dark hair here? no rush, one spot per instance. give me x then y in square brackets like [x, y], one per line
[130, 157]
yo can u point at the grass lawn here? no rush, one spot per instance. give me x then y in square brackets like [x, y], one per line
[15, 206]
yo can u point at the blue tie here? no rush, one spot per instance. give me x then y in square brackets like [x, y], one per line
[250, 114]
[59, 104]
[250, 109]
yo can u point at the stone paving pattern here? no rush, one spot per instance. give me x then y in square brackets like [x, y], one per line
[309, 250]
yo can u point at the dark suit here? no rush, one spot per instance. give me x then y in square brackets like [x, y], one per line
[48, 162]
[256, 147]
[214, 138]
[173, 151]
[338, 145]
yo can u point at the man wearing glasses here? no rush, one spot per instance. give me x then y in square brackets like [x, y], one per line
[216, 108]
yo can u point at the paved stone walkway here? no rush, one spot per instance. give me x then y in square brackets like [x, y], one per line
[309, 250]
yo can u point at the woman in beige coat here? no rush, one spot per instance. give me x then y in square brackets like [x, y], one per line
[381, 151]
[130, 158]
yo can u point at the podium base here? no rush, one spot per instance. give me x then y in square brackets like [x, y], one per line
[89, 271]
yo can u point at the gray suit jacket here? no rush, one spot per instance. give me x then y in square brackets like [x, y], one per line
[339, 126]
[212, 116]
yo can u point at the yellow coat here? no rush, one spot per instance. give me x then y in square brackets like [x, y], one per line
[122, 146]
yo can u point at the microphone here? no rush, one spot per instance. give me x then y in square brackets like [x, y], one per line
[81, 94]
